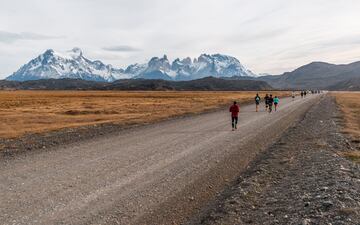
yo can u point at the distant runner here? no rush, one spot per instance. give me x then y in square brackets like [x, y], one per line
[234, 109]
[276, 102]
[257, 102]
[266, 98]
[270, 103]
[302, 94]
[305, 92]
[293, 95]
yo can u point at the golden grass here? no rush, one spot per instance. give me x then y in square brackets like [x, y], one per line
[352, 155]
[349, 103]
[24, 112]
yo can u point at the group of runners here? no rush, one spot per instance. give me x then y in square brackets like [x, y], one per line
[303, 94]
[270, 102]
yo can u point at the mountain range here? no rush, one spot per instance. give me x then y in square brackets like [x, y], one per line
[74, 65]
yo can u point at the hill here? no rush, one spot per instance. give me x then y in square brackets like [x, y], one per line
[52, 84]
[347, 85]
[204, 84]
[316, 75]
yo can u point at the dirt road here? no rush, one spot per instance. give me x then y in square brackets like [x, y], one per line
[157, 174]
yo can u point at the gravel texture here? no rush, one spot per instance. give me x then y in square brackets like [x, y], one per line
[301, 179]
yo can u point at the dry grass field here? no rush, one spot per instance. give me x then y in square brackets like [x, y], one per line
[24, 112]
[349, 103]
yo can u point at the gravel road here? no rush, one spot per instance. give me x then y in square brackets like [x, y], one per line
[157, 174]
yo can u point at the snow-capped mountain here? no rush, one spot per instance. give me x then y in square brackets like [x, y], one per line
[158, 68]
[72, 64]
[205, 65]
[136, 69]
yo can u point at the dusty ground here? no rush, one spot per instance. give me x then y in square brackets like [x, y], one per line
[156, 174]
[301, 179]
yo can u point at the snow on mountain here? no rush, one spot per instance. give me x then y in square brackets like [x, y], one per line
[206, 65]
[158, 68]
[72, 64]
[136, 69]
[220, 66]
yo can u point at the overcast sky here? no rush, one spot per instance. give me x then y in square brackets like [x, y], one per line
[267, 36]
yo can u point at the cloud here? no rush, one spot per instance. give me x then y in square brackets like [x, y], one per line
[259, 35]
[352, 40]
[9, 37]
[260, 17]
[268, 35]
[313, 47]
[121, 48]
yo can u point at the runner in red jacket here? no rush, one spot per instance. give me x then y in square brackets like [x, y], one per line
[234, 109]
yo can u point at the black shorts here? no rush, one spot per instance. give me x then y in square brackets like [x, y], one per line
[257, 103]
[234, 119]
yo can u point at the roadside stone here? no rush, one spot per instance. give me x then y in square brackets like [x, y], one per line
[306, 222]
[327, 204]
[324, 188]
[232, 202]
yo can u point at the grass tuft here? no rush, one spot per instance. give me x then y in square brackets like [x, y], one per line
[352, 155]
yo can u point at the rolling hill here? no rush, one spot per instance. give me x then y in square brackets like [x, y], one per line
[317, 75]
[203, 84]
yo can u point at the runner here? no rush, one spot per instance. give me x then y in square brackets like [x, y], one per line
[257, 102]
[302, 94]
[266, 98]
[270, 103]
[276, 102]
[234, 109]
[305, 92]
[293, 95]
